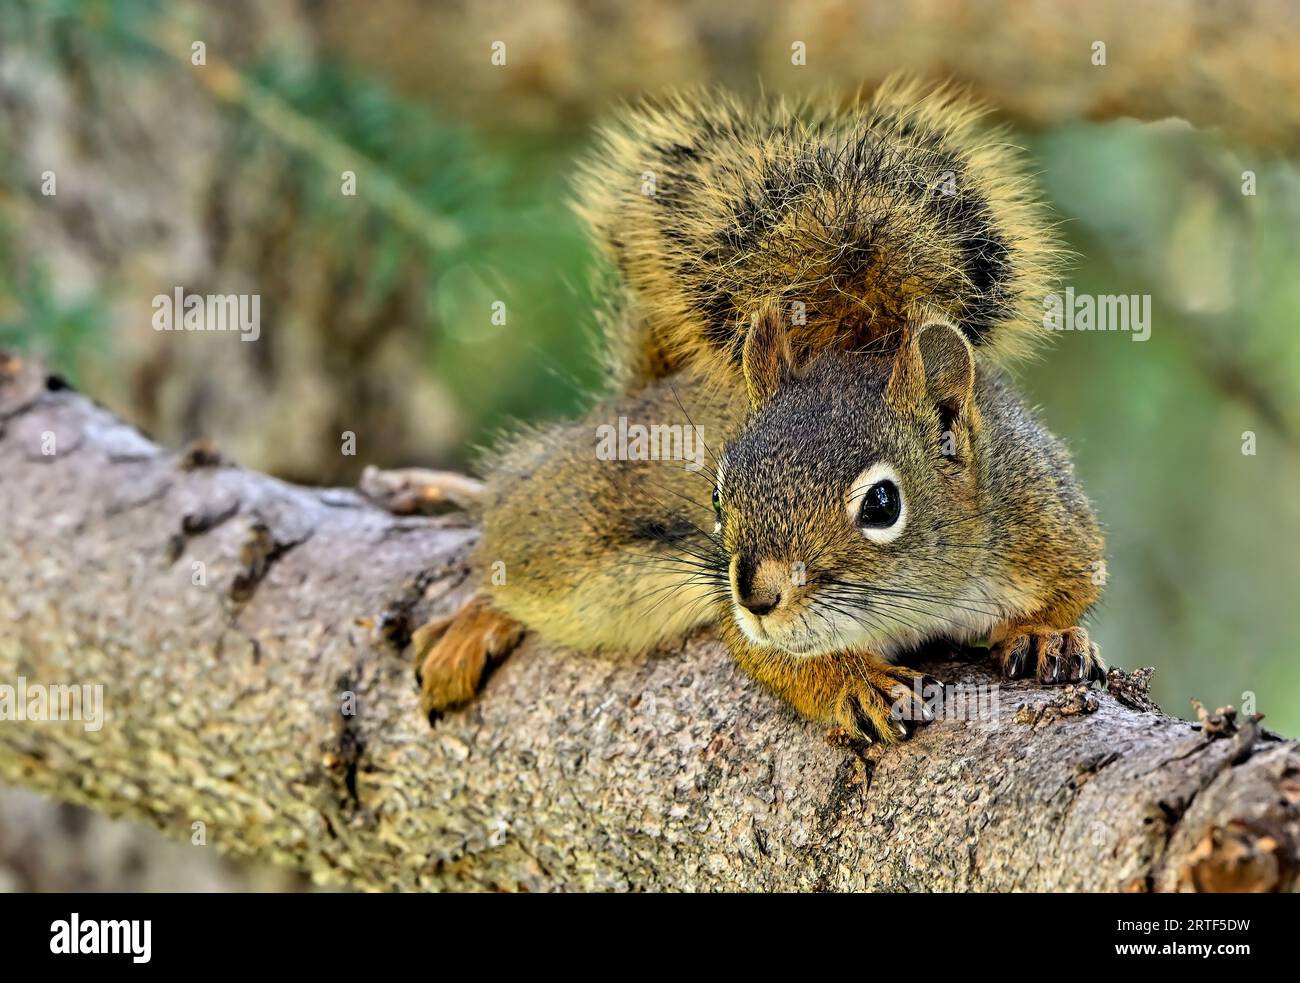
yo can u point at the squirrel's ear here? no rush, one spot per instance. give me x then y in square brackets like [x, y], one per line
[767, 360]
[936, 363]
[949, 365]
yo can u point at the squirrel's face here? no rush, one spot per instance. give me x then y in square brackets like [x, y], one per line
[847, 505]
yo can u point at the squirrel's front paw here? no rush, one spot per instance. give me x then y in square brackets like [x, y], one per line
[883, 704]
[1051, 655]
[454, 653]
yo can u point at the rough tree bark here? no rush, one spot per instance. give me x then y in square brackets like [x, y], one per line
[224, 707]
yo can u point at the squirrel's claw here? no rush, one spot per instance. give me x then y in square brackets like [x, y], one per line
[1051, 655]
[884, 704]
[454, 654]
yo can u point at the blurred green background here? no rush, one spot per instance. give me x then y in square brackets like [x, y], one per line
[377, 309]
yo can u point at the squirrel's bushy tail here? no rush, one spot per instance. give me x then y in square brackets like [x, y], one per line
[852, 219]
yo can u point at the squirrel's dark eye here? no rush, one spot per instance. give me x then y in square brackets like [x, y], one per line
[881, 506]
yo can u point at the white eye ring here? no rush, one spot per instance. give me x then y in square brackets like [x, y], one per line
[878, 472]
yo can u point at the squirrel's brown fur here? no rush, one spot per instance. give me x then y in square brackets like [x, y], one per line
[802, 287]
[849, 218]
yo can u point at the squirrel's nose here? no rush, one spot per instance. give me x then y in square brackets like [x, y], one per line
[757, 586]
[760, 605]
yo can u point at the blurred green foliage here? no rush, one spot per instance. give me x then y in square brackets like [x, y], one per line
[34, 319]
[505, 201]
[507, 204]
[33, 315]
[1200, 535]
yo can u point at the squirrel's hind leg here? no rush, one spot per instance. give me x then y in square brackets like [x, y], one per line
[455, 653]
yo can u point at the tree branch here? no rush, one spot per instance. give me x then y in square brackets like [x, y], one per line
[224, 704]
